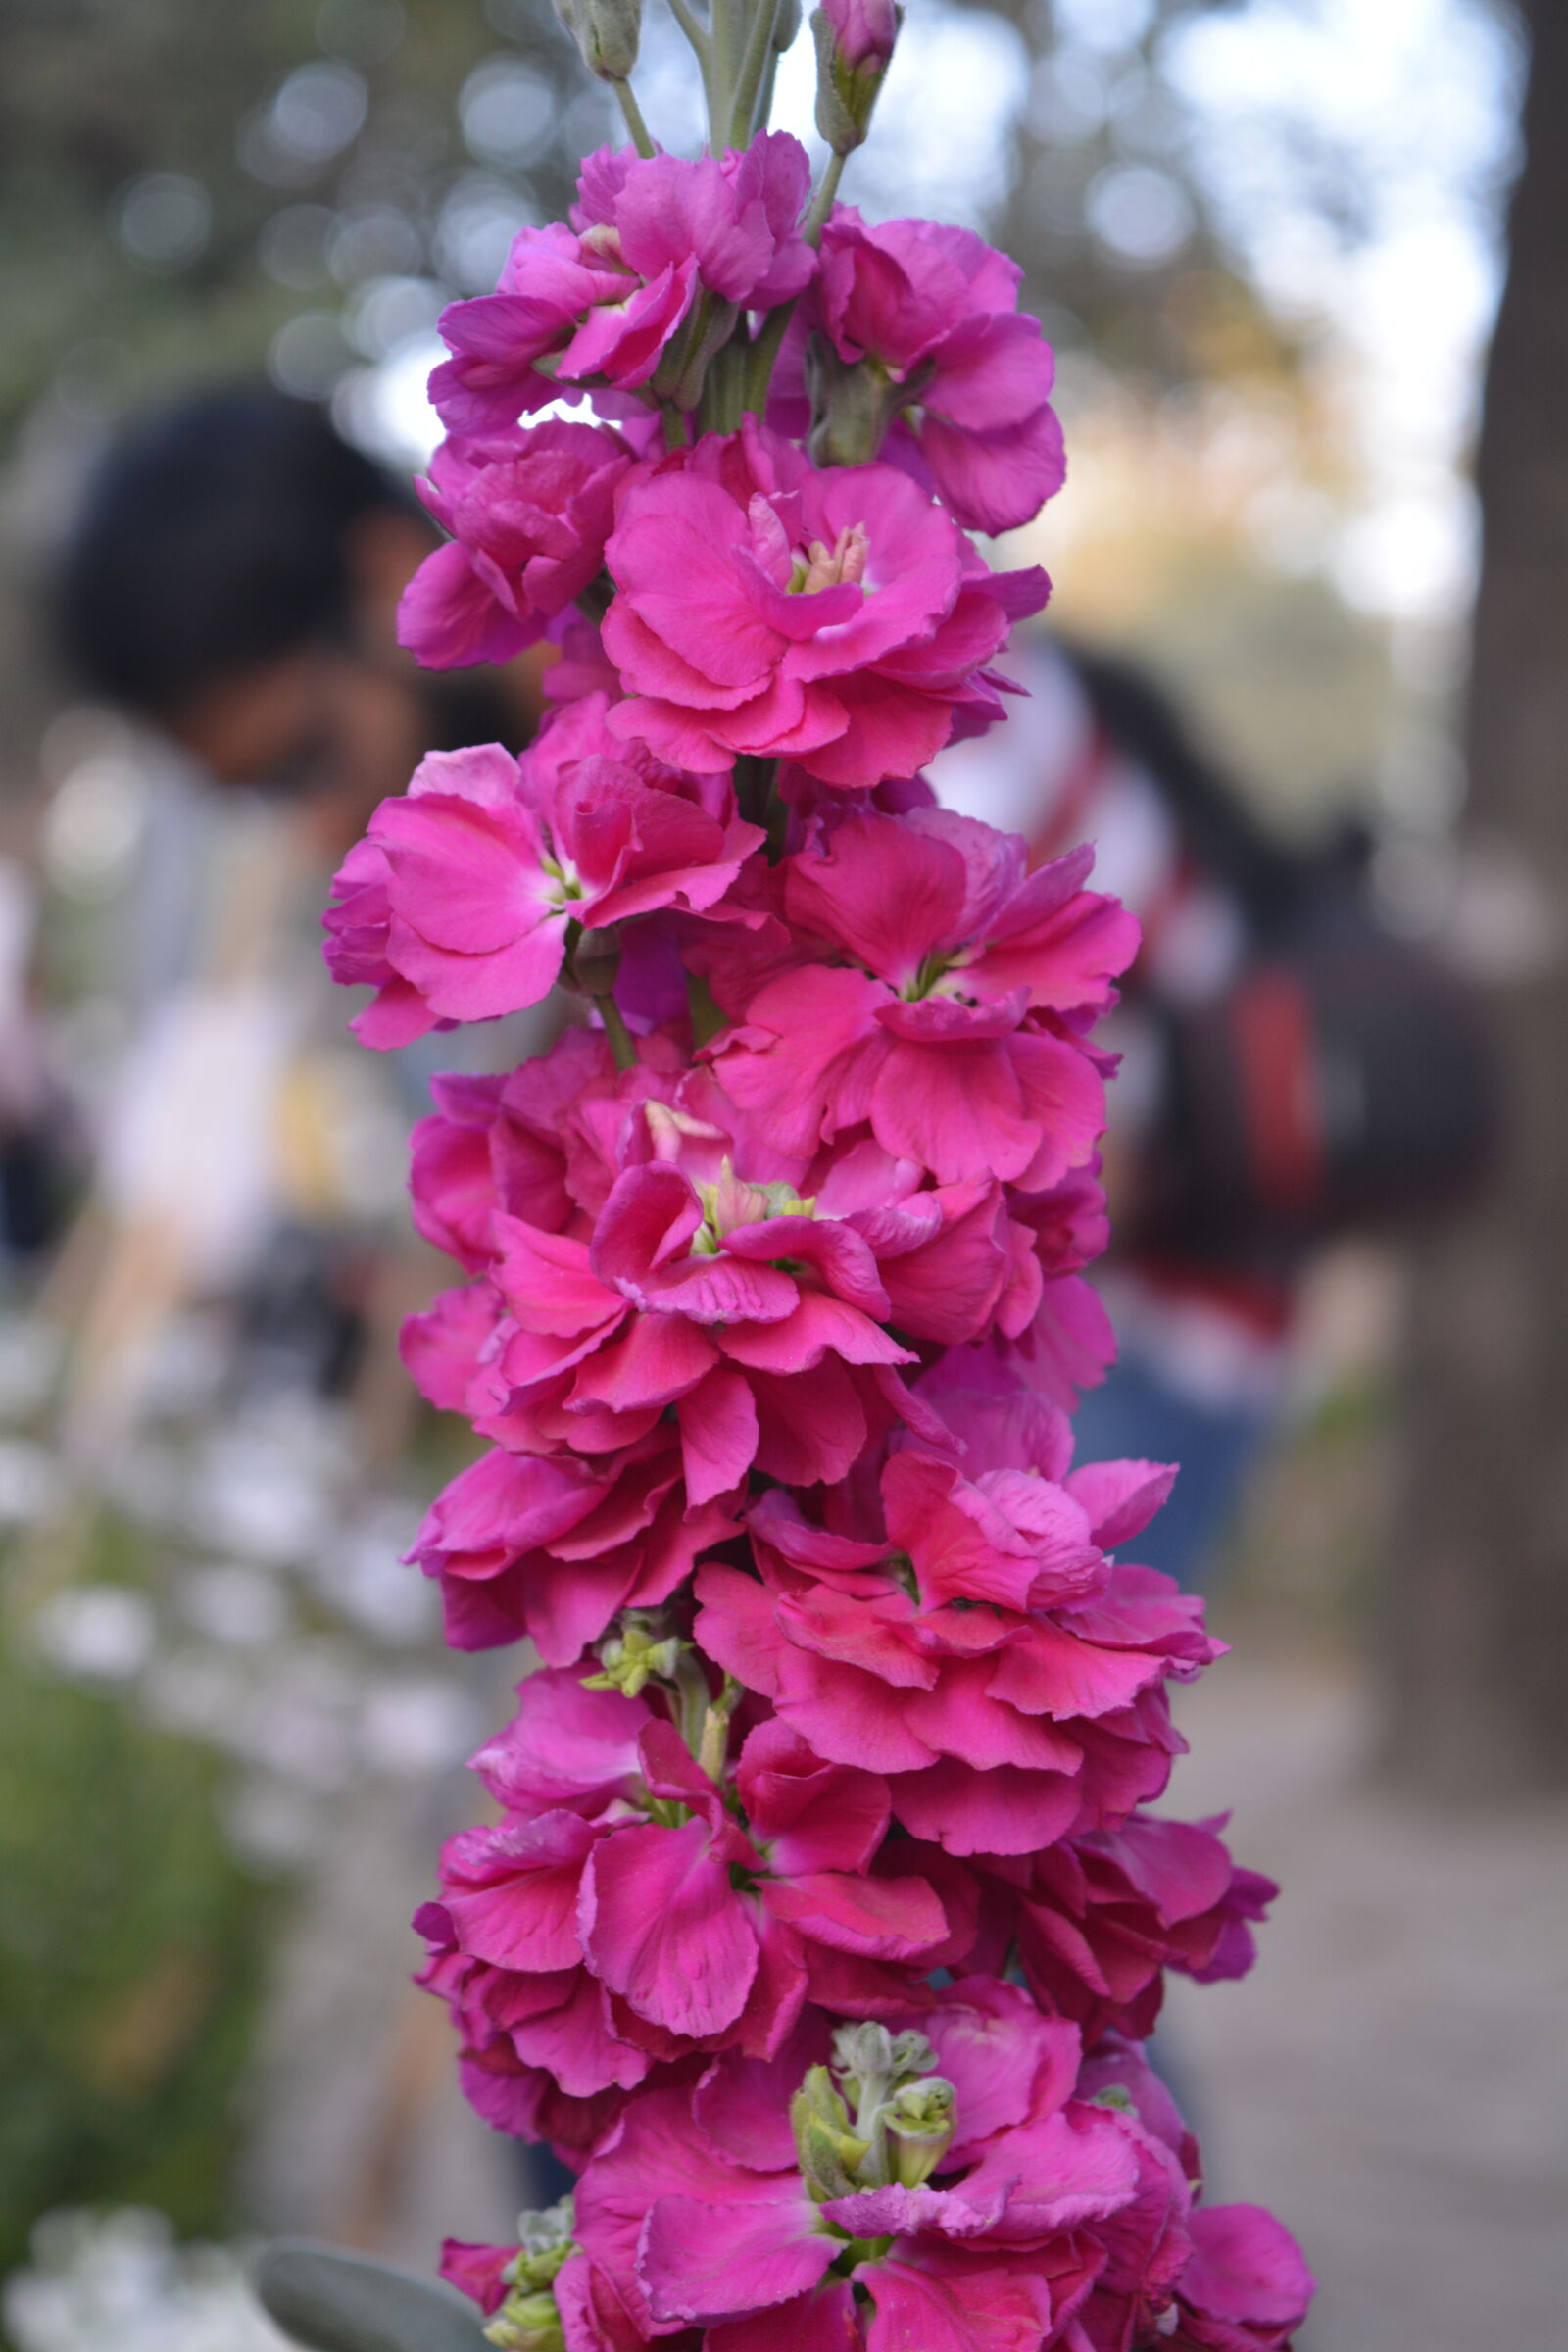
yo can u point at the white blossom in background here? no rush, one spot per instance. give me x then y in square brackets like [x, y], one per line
[122, 2282]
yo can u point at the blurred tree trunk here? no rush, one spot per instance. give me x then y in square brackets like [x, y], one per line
[1477, 1617]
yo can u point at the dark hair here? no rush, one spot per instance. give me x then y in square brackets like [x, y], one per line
[212, 538]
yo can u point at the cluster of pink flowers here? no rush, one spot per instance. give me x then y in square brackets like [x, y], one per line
[822, 1914]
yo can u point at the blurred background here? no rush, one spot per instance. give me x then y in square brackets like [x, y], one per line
[1305, 679]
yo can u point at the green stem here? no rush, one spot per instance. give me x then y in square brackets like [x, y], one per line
[641, 136]
[822, 202]
[728, 43]
[763, 353]
[765, 96]
[686, 18]
[692, 1703]
[749, 79]
[706, 1018]
[622, 1044]
[676, 433]
[702, 45]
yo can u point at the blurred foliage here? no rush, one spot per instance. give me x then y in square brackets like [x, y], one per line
[1108, 209]
[183, 180]
[131, 1945]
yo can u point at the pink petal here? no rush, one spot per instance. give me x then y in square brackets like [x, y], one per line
[812, 1424]
[979, 2308]
[742, 2104]
[702, 2262]
[662, 1925]
[1002, 2058]
[812, 1815]
[548, 1283]
[717, 1434]
[817, 1326]
[884, 1919]
[563, 1745]
[820, 2322]
[1004, 1811]
[1050, 1672]
[1064, 2168]
[1121, 1497]
[649, 1218]
[515, 1902]
[448, 618]
[659, 1359]
[1246, 2269]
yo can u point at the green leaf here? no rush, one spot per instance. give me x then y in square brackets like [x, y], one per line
[331, 2301]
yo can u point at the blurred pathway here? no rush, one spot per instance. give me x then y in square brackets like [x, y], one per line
[1393, 2076]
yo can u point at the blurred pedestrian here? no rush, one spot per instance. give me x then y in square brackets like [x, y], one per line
[1290, 1073]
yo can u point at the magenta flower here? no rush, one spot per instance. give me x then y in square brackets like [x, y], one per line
[599, 303]
[1205, 2278]
[1101, 1917]
[455, 904]
[623, 1912]
[951, 1022]
[757, 1321]
[936, 310]
[1247, 2288]
[527, 513]
[983, 1653]
[836, 620]
[695, 2211]
[553, 1548]
[702, 1928]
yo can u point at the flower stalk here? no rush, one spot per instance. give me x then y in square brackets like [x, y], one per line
[820, 1913]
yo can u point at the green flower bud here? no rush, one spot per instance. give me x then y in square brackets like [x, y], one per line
[853, 49]
[921, 2122]
[635, 1657]
[830, 2151]
[852, 405]
[862, 2051]
[527, 2322]
[605, 31]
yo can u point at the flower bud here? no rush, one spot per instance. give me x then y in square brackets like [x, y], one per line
[634, 1658]
[921, 2120]
[528, 2320]
[862, 2053]
[853, 42]
[830, 2153]
[786, 24]
[863, 31]
[605, 31]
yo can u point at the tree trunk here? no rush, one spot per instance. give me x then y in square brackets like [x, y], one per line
[1476, 1622]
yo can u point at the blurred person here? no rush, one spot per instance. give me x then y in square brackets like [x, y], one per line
[234, 580]
[227, 597]
[229, 587]
[1290, 1072]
